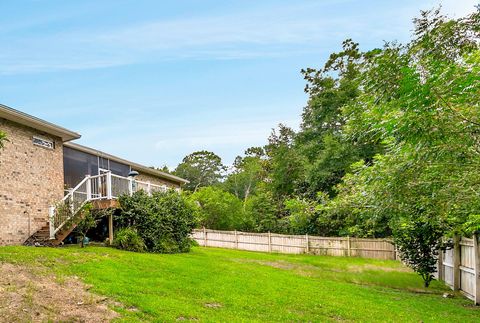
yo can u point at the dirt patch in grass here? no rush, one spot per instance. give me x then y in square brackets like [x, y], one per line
[301, 269]
[368, 267]
[213, 305]
[27, 297]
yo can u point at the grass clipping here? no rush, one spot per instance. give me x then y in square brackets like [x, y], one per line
[26, 297]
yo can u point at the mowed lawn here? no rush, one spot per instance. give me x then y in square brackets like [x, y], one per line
[228, 285]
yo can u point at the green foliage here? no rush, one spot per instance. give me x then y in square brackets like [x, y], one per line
[472, 225]
[201, 168]
[264, 212]
[128, 239]
[89, 220]
[421, 101]
[164, 220]
[302, 216]
[218, 209]
[248, 173]
[322, 139]
[3, 139]
[285, 166]
[418, 242]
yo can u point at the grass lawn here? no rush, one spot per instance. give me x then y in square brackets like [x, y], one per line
[228, 285]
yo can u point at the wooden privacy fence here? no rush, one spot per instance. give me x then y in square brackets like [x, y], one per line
[459, 267]
[297, 244]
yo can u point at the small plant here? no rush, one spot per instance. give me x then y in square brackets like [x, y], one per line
[89, 220]
[129, 239]
[3, 139]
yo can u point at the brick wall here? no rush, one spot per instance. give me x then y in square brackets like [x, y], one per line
[142, 177]
[31, 179]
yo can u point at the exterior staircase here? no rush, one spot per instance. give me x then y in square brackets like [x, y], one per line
[101, 190]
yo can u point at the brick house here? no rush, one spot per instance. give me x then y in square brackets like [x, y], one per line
[40, 166]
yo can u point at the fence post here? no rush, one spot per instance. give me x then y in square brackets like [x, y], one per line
[236, 240]
[204, 237]
[476, 251]
[307, 243]
[456, 262]
[440, 265]
[349, 247]
[269, 242]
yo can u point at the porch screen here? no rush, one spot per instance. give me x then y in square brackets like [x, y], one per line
[76, 165]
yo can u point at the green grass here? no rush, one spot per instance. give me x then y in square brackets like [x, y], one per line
[227, 285]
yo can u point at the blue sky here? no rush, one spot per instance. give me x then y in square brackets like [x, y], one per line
[152, 81]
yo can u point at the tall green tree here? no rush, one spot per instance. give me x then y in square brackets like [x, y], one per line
[322, 139]
[285, 165]
[421, 101]
[248, 171]
[201, 168]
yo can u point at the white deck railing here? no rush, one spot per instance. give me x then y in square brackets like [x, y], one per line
[106, 186]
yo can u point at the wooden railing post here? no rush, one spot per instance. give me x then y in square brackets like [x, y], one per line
[349, 247]
[109, 185]
[110, 228]
[476, 251]
[72, 207]
[149, 188]
[130, 186]
[89, 188]
[51, 214]
[456, 262]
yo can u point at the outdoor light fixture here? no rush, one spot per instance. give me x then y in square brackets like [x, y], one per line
[133, 174]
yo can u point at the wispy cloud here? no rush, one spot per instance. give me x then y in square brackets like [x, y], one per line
[269, 31]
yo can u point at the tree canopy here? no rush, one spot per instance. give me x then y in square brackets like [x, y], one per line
[201, 168]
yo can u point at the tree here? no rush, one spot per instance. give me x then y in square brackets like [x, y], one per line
[89, 220]
[285, 165]
[263, 212]
[421, 101]
[418, 242]
[201, 168]
[248, 172]
[218, 210]
[321, 139]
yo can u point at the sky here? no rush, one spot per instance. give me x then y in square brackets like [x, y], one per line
[152, 81]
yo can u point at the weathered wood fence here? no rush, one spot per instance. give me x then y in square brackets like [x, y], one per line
[297, 244]
[459, 267]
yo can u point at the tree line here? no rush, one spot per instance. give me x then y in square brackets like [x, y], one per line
[389, 146]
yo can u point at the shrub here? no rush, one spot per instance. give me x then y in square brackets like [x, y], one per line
[164, 220]
[263, 211]
[128, 239]
[303, 215]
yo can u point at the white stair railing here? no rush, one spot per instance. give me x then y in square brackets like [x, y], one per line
[105, 186]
